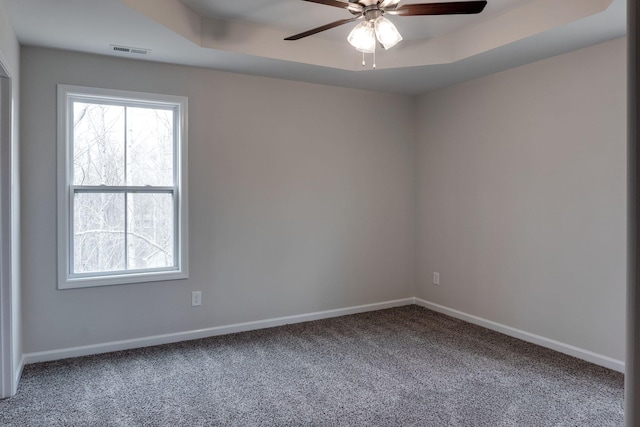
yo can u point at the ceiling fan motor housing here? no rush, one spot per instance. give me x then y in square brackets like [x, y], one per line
[372, 13]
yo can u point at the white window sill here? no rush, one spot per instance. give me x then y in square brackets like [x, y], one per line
[121, 279]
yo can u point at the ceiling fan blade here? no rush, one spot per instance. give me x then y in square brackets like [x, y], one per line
[388, 3]
[448, 8]
[342, 5]
[323, 28]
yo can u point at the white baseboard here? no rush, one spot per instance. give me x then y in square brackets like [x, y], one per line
[64, 353]
[17, 373]
[589, 356]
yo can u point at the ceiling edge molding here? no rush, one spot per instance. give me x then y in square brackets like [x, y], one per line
[521, 23]
[172, 14]
[258, 40]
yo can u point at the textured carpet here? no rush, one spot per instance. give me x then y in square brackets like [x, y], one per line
[402, 366]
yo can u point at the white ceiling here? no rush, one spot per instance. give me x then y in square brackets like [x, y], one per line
[246, 36]
[297, 16]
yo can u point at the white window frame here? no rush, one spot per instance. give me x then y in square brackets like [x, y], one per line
[67, 94]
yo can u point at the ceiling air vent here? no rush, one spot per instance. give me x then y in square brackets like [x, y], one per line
[125, 49]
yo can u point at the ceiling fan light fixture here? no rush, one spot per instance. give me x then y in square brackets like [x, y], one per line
[363, 37]
[387, 33]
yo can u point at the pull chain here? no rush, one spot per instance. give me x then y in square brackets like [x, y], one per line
[374, 60]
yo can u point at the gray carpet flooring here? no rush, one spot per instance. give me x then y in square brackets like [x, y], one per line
[405, 366]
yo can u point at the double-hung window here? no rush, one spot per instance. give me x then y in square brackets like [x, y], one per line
[122, 187]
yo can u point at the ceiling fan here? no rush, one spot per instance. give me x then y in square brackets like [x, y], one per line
[376, 27]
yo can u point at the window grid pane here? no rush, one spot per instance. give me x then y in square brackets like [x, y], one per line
[150, 154]
[150, 230]
[98, 144]
[98, 240]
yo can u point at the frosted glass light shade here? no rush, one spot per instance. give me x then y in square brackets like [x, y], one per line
[363, 38]
[386, 32]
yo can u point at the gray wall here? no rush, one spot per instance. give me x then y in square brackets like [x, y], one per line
[301, 200]
[10, 53]
[522, 198]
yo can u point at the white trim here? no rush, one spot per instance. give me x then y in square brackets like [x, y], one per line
[123, 279]
[17, 374]
[4, 63]
[7, 381]
[63, 353]
[179, 104]
[589, 356]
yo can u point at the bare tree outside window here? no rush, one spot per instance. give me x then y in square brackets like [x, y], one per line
[123, 172]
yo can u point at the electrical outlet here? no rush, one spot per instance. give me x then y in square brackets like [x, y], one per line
[436, 278]
[196, 299]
